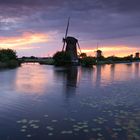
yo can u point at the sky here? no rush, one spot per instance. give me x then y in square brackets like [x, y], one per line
[36, 27]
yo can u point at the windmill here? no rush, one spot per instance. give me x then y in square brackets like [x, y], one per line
[98, 52]
[71, 45]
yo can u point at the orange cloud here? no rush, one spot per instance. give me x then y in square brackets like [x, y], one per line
[113, 50]
[25, 39]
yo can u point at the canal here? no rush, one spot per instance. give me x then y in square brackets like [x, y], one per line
[40, 102]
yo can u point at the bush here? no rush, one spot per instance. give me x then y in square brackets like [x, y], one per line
[88, 61]
[83, 55]
[12, 64]
[62, 58]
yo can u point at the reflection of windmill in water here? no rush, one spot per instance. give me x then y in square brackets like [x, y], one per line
[70, 45]
[71, 81]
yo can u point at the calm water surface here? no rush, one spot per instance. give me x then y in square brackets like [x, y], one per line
[39, 102]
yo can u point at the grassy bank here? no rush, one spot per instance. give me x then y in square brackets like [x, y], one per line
[9, 64]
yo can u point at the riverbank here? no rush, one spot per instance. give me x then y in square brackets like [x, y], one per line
[9, 64]
[115, 62]
[87, 63]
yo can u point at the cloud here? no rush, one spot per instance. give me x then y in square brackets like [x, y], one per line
[112, 22]
[26, 38]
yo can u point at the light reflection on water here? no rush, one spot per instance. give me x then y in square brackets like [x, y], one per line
[116, 73]
[50, 100]
[32, 79]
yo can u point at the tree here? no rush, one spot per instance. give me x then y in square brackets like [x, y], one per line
[83, 55]
[7, 54]
[62, 58]
[88, 61]
[8, 59]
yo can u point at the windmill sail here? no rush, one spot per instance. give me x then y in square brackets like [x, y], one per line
[79, 47]
[66, 33]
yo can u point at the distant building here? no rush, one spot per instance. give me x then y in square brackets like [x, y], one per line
[137, 55]
[131, 56]
[98, 53]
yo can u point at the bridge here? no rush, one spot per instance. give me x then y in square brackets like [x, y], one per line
[47, 61]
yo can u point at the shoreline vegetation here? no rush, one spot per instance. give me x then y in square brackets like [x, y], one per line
[64, 59]
[8, 59]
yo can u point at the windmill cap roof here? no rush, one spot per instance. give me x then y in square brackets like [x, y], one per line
[99, 51]
[70, 38]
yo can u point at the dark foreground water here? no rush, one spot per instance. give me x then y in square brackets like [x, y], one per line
[46, 103]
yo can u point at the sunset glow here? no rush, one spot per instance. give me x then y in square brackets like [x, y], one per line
[113, 50]
[26, 39]
[35, 28]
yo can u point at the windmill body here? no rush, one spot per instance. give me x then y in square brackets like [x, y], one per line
[71, 48]
[99, 53]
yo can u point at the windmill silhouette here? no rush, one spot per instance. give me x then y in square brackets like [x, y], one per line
[98, 51]
[71, 45]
